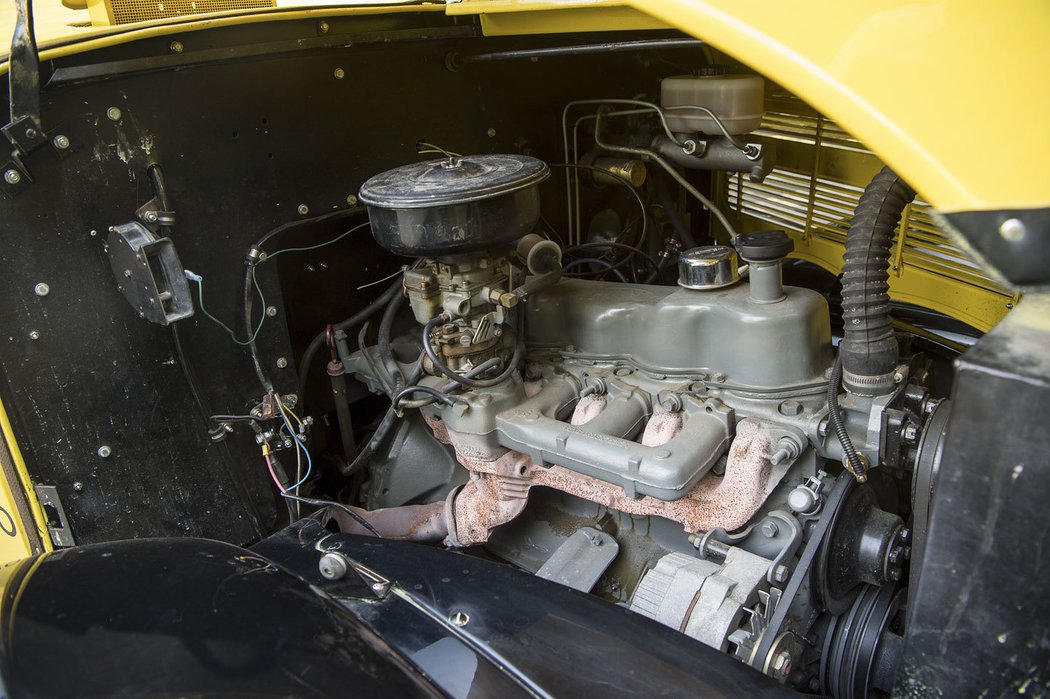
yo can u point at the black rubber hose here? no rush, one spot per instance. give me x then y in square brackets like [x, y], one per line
[835, 420]
[382, 431]
[353, 321]
[868, 350]
[386, 353]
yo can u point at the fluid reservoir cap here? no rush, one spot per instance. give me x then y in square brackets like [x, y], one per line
[708, 267]
[764, 246]
[454, 180]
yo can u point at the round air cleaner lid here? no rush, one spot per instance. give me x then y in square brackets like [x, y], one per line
[451, 181]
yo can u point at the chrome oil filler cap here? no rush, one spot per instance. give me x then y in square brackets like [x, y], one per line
[708, 267]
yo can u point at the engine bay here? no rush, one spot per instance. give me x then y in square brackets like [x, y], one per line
[527, 325]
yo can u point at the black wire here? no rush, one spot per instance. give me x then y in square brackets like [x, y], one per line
[459, 378]
[386, 354]
[835, 418]
[616, 246]
[430, 391]
[626, 183]
[338, 505]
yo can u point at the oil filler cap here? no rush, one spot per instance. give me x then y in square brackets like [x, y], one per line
[764, 246]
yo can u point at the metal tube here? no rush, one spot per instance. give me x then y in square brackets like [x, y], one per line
[455, 61]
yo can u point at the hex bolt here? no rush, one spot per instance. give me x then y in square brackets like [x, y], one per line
[12, 177]
[671, 402]
[790, 407]
[175, 47]
[770, 529]
[332, 566]
[459, 618]
[271, 311]
[303, 209]
[42, 289]
[339, 73]
[113, 113]
[282, 362]
[104, 451]
[780, 573]
[1012, 229]
[60, 142]
[781, 665]
[34, 335]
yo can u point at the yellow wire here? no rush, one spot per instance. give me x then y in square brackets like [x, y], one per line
[298, 453]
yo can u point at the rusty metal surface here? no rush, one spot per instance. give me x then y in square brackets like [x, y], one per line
[499, 489]
[407, 523]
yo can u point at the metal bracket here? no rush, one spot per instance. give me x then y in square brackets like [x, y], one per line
[581, 559]
[149, 274]
[25, 131]
[57, 524]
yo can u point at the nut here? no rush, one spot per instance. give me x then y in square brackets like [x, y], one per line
[781, 665]
[60, 142]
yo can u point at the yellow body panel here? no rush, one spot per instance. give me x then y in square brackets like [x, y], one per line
[18, 538]
[952, 95]
[511, 17]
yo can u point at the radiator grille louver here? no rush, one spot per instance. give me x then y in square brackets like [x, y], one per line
[128, 11]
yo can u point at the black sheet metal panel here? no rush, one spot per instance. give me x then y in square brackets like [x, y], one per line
[251, 124]
[978, 624]
[555, 640]
[184, 617]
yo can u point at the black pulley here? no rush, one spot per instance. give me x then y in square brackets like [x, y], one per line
[456, 204]
[863, 647]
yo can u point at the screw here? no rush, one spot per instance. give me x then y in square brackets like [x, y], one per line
[770, 529]
[339, 73]
[104, 451]
[271, 311]
[34, 335]
[780, 573]
[303, 209]
[491, 132]
[323, 27]
[42, 289]
[60, 142]
[175, 47]
[459, 618]
[351, 200]
[332, 566]
[113, 113]
[1012, 229]
[12, 177]
[78, 486]
[281, 362]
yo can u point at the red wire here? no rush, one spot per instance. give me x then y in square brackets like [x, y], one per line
[273, 475]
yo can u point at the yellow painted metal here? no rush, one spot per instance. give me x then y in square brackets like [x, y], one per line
[951, 94]
[514, 17]
[18, 538]
[67, 41]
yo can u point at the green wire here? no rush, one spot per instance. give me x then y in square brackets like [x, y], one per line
[262, 299]
[233, 336]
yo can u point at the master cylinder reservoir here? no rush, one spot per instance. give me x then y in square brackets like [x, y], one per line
[737, 99]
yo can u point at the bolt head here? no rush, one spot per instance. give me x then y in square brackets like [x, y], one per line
[104, 451]
[459, 618]
[113, 113]
[781, 665]
[151, 217]
[12, 177]
[770, 529]
[491, 132]
[282, 362]
[790, 407]
[323, 27]
[60, 142]
[1012, 229]
[34, 335]
[339, 73]
[42, 289]
[351, 200]
[175, 47]
[303, 209]
[271, 311]
[78, 486]
[780, 573]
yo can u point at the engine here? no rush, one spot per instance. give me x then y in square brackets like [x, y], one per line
[675, 449]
